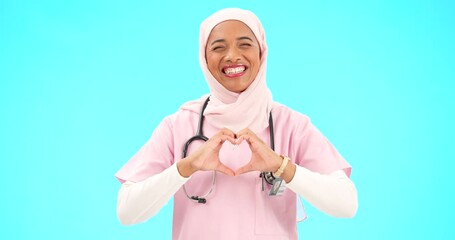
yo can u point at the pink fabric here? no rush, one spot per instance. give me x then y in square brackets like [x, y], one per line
[249, 109]
[237, 208]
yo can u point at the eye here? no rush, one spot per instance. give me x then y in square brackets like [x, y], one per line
[217, 48]
[245, 44]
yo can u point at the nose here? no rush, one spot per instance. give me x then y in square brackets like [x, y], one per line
[233, 55]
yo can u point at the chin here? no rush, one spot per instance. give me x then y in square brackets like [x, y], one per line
[238, 90]
[234, 86]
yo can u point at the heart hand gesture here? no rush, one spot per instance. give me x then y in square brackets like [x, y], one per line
[263, 158]
[206, 158]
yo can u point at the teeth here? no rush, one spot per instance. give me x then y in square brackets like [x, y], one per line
[234, 70]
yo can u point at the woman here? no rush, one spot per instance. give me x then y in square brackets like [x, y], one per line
[249, 137]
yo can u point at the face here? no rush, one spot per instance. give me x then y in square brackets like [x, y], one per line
[233, 55]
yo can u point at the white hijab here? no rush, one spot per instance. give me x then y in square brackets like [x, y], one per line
[235, 111]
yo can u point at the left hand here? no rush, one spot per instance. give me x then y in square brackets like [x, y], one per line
[263, 158]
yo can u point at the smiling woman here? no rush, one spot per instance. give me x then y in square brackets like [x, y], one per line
[233, 55]
[241, 121]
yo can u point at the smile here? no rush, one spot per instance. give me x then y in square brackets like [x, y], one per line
[234, 71]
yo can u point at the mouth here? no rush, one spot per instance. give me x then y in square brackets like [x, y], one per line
[234, 71]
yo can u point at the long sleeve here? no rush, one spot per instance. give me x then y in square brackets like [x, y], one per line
[139, 201]
[334, 194]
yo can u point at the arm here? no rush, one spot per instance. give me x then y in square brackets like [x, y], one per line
[150, 178]
[334, 194]
[319, 173]
[139, 201]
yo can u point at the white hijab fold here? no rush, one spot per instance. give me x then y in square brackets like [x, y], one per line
[235, 111]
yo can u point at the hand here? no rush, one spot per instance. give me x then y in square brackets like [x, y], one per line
[206, 158]
[263, 158]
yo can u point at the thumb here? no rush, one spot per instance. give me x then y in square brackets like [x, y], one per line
[244, 169]
[224, 169]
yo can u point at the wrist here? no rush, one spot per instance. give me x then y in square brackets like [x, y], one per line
[185, 168]
[277, 163]
[289, 172]
[284, 162]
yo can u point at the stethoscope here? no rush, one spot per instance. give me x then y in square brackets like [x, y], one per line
[266, 176]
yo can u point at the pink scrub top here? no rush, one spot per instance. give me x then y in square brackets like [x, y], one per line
[237, 208]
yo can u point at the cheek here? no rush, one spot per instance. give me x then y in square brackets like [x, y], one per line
[254, 56]
[212, 64]
[209, 59]
[255, 61]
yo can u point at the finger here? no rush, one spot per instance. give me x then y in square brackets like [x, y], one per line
[244, 131]
[232, 140]
[239, 140]
[229, 138]
[227, 132]
[244, 169]
[251, 138]
[224, 169]
[247, 134]
[248, 138]
[223, 135]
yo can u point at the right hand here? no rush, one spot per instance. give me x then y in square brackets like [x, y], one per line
[206, 158]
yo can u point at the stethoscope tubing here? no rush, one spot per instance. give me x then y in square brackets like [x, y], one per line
[266, 176]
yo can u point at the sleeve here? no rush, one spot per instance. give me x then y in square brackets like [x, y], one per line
[139, 201]
[314, 152]
[334, 194]
[154, 157]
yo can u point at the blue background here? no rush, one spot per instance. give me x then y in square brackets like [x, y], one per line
[84, 83]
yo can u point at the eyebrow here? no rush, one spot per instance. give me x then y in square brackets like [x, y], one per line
[239, 38]
[245, 38]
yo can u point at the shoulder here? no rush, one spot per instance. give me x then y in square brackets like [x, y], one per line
[187, 110]
[179, 117]
[291, 122]
[288, 116]
[175, 125]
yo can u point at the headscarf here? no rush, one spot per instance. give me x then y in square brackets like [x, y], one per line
[235, 111]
